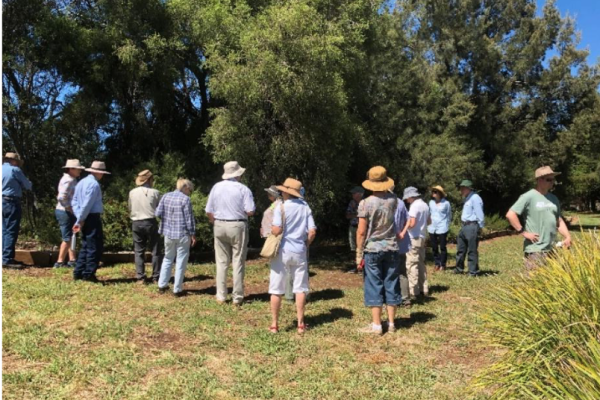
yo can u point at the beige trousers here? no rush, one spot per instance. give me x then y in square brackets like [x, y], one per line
[415, 268]
[231, 246]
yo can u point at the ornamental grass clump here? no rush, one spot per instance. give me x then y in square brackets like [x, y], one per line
[548, 328]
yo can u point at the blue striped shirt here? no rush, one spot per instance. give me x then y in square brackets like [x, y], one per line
[177, 216]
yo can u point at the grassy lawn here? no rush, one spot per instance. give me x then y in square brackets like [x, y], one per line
[77, 340]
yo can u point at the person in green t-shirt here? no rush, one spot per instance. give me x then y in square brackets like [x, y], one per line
[540, 210]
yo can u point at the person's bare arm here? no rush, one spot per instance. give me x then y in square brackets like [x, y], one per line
[563, 230]
[250, 213]
[361, 235]
[513, 219]
[276, 230]
[311, 236]
[412, 221]
[211, 218]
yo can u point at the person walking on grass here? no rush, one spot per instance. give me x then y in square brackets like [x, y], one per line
[537, 217]
[357, 194]
[64, 212]
[400, 222]
[416, 228]
[376, 244]
[295, 222]
[178, 227]
[13, 184]
[441, 218]
[88, 209]
[142, 202]
[229, 205]
[472, 219]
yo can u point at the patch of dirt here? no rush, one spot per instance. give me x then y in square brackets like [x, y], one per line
[13, 363]
[29, 271]
[166, 340]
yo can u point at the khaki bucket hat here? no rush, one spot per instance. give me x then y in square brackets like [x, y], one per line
[14, 156]
[74, 163]
[143, 177]
[545, 171]
[98, 167]
[232, 170]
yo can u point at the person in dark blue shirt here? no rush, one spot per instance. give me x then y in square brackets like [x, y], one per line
[13, 183]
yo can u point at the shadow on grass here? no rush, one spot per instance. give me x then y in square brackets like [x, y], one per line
[465, 272]
[419, 317]
[117, 281]
[325, 294]
[198, 278]
[438, 288]
[328, 317]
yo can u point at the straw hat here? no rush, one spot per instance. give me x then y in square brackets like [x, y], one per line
[143, 177]
[439, 189]
[98, 167]
[545, 171]
[409, 192]
[14, 156]
[73, 164]
[291, 186]
[378, 180]
[232, 170]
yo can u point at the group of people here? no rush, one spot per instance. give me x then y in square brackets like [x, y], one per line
[389, 239]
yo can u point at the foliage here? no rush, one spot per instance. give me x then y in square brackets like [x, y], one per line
[549, 325]
[437, 91]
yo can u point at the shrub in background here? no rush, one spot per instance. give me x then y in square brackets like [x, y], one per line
[549, 327]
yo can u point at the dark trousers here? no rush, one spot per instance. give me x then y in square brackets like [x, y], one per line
[440, 252]
[11, 222]
[145, 232]
[92, 246]
[467, 242]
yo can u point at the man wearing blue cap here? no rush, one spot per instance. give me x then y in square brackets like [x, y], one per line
[472, 220]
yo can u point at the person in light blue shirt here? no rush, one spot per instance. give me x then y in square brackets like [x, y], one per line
[13, 183]
[472, 220]
[87, 207]
[441, 218]
[297, 226]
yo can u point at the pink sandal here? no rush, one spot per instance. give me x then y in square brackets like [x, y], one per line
[273, 329]
[302, 328]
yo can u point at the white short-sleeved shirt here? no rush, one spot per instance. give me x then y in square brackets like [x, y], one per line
[298, 221]
[419, 210]
[230, 200]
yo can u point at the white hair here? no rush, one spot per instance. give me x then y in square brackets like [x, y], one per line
[184, 183]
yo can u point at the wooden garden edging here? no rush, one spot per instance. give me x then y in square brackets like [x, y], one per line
[48, 258]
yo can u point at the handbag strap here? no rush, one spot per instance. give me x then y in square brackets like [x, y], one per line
[282, 219]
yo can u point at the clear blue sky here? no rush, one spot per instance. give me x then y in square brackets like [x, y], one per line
[587, 17]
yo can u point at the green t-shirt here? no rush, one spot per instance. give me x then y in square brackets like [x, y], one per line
[541, 215]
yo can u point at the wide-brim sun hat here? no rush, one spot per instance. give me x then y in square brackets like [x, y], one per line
[14, 156]
[377, 180]
[411, 191]
[143, 177]
[232, 169]
[467, 184]
[98, 167]
[357, 189]
[272, 190]
[74, 163]
[545, 171]
[439, 189]
[291, 186]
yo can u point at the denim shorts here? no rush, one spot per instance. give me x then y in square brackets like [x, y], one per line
[66, 220]
[382, 279]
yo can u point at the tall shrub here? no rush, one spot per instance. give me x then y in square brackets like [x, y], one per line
[549, 326]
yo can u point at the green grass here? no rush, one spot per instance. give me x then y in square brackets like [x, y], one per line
[76, 340]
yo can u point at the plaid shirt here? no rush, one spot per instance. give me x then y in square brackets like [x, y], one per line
[177, 216]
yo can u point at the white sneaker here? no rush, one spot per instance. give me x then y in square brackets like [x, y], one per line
[391, 327]
[372, 329]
